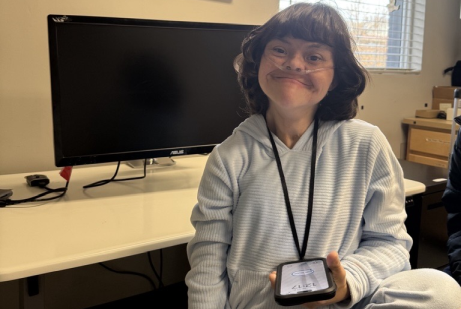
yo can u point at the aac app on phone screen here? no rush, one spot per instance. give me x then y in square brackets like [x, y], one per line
[303, 277]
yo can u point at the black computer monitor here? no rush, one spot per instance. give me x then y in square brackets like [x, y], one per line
[127, 89]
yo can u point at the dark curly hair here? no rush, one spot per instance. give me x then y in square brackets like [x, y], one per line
[315, 23]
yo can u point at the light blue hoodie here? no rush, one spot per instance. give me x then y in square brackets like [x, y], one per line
[241, 222]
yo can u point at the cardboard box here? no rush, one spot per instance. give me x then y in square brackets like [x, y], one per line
[427, 113]
[442, 94]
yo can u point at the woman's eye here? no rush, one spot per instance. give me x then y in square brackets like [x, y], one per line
[278, 50]
[314, 58]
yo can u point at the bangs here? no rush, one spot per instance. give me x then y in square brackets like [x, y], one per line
[313, 23]
[309, 31]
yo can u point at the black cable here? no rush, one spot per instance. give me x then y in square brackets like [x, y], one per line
[159, 277]
[106, 181]
[37, 198]
[130, 273]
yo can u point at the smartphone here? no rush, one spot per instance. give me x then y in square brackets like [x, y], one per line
[304, 281]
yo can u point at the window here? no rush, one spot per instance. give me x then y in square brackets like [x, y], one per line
[388, 33]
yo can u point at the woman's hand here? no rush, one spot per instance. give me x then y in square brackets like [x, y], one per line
[339, 275]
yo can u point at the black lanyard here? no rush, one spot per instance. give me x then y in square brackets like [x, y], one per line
[301, 252]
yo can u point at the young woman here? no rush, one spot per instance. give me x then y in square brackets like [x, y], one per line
[301, 178]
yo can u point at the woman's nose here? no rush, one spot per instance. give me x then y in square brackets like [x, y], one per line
[295, 63]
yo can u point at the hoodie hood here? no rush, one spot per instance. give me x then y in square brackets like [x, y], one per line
[255, 127]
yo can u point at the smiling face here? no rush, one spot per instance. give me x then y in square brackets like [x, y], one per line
[280, 73]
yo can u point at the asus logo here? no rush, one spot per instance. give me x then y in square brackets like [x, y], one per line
[177, 152]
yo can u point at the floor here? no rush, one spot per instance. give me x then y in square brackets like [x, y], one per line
[172, 297]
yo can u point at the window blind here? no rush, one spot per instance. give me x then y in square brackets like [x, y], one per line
[388, 33]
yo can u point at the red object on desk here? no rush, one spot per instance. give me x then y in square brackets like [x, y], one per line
[66, 172]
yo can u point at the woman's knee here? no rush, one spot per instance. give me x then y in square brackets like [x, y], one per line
[424, 288]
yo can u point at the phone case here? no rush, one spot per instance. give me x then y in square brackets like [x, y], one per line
[306, 296]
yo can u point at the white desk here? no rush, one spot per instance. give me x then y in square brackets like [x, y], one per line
[97, 224]
[413, 187]
[102, 223]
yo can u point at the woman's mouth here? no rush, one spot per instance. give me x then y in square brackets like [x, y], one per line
[292, 79]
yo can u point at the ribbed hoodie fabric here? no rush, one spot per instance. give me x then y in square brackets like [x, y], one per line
[241, 221]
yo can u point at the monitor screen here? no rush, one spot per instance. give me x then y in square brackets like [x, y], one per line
[127, 89]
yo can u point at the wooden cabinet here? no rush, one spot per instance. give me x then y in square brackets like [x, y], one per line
[428, 141]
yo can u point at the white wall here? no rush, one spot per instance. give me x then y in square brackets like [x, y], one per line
[25, 95]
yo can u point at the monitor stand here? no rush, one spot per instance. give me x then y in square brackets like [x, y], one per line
[152, 163]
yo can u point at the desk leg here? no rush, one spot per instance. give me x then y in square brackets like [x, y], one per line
[31, 293]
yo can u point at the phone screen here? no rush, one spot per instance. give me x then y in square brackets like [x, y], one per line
[305, 276]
